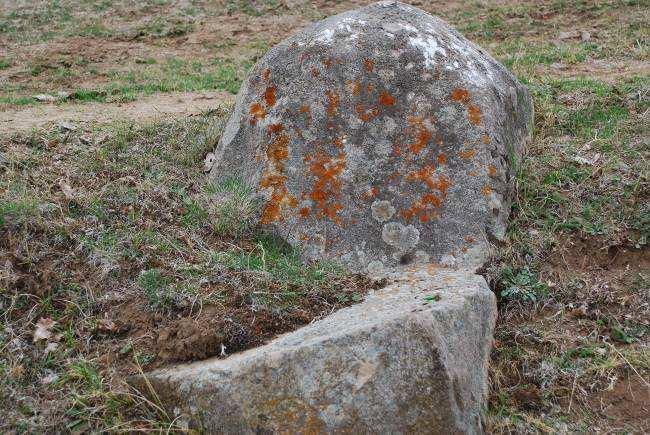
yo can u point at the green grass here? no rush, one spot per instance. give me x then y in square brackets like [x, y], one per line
[174, 75]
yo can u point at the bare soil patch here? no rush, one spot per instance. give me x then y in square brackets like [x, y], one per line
[147, 109]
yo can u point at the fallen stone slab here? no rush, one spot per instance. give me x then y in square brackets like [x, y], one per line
[379, 137]
[411, 358]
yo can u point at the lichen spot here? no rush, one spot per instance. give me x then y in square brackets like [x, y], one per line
[492, 171]
[366, 114]
[422, 135]
[275, 129]
[314, 72]
[386, 99]
[304, 212]
[327, 186]
[467, 154]
[333, 101]
[269, 96]
[257, 112]
[369, 65]
[460, 95]
[486, 190]
[266, 74]
[355, 87]
[382, 211]
[474, 114]
[442, 159]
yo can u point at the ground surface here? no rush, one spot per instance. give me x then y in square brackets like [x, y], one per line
[109, 231]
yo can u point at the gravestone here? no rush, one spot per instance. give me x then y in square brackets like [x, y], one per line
[380, 137]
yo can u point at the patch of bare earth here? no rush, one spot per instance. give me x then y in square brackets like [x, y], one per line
[146, 109]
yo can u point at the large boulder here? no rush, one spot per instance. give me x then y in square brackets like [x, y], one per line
[377, 137]
[411, 358]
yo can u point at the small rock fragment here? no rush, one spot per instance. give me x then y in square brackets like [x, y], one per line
[45, 98]
[66, 126]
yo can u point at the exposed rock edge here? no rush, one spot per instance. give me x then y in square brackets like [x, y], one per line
[412, 357]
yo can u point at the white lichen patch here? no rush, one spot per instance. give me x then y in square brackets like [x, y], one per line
[403, 238]
[428, 46]
[382, 148]
[375, 268]
[422, 257]
[382, 211]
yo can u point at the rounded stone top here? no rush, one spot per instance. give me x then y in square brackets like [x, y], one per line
[377, 137]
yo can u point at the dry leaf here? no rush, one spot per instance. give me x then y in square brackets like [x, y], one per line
[106, 325]
[43, 329]
[66, 189]
[48, 379]
[17, 372]
[580, 311]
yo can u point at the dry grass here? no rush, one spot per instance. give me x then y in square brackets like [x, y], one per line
[116, 256]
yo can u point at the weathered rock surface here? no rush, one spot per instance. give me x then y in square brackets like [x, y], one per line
[411, 358]
[377, 137]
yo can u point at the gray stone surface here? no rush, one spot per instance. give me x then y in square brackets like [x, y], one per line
[380, 136]
[411, 358]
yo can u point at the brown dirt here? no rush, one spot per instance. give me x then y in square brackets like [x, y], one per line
[199, 332]
[628, 401]
[607, 71]
[148, 108]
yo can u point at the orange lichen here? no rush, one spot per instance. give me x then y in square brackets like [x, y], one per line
[266, 74]
[257, 111]
[368, 64]
[422, 134]
[327, 186]
[467, 154]
[469, 239]
[474, 114]
[472, 173]
[278, 151]
[355, 87]
[442, 159]
[460, 95]
[473, 111]
[370, 193]
[272, 208]
[492, 171]
[333, 101]
[269, 96]
[274, 129]
[437, 192]
[366, 114]
[486, 190]
[274, 178]
[386, 99]
[328, 63]
[338, 142]
[304, 212]
[315, 72]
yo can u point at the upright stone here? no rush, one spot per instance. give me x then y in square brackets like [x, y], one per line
[378, 137]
